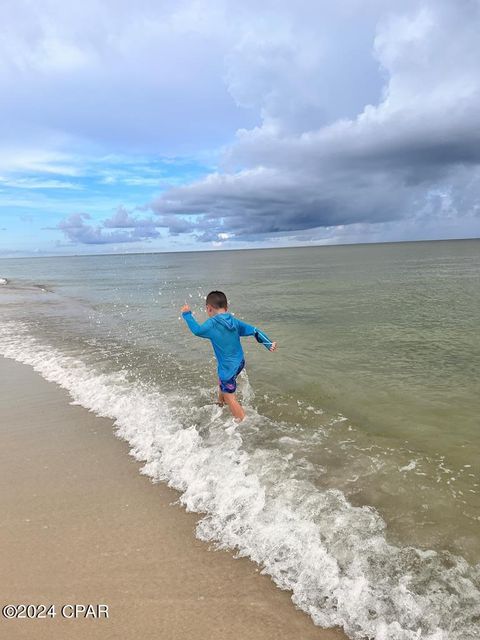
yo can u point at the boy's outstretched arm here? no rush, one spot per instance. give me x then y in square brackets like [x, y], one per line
[245, 329]
[201, 330]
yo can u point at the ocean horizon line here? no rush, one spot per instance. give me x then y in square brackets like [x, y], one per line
[299, 246]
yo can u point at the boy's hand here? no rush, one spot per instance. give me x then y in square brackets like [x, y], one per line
[273, 347]
[185, 308]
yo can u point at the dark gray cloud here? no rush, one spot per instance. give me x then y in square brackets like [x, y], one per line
[413, 155]
[266, 201]
[175, 224]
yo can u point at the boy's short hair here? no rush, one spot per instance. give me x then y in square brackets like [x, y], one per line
[217, 299]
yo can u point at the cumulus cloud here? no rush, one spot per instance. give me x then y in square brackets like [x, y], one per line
[112, 230]
[385, 164]
[122, 219]
[76, 229]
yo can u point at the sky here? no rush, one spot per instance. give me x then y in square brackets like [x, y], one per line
[217, 124]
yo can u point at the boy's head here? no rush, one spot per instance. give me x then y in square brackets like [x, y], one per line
[216, 302]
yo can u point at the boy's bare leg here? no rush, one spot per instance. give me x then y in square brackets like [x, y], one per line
[221, 399]
[234, 406]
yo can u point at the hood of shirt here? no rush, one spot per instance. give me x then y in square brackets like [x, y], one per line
[225, 319]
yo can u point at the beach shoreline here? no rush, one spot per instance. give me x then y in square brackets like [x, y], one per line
[82, 525]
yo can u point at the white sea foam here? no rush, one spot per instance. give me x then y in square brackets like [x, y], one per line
[333, 557]
[409, 467]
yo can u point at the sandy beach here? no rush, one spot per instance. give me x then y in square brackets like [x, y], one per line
[81, 525]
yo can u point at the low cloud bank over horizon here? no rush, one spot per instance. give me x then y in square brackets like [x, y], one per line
[322, 124]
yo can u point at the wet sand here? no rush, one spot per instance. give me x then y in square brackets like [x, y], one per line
[80, 524]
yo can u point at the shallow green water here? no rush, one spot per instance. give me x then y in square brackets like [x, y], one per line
[379, 346]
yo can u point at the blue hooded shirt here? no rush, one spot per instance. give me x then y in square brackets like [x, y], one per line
[224, 332]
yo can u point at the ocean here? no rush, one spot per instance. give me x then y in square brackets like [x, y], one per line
[354, 480]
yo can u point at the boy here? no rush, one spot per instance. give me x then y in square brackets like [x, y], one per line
[224, 332]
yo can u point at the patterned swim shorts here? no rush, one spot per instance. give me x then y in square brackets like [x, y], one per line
[230, 385]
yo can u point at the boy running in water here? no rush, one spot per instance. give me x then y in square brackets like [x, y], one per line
[224, 332]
